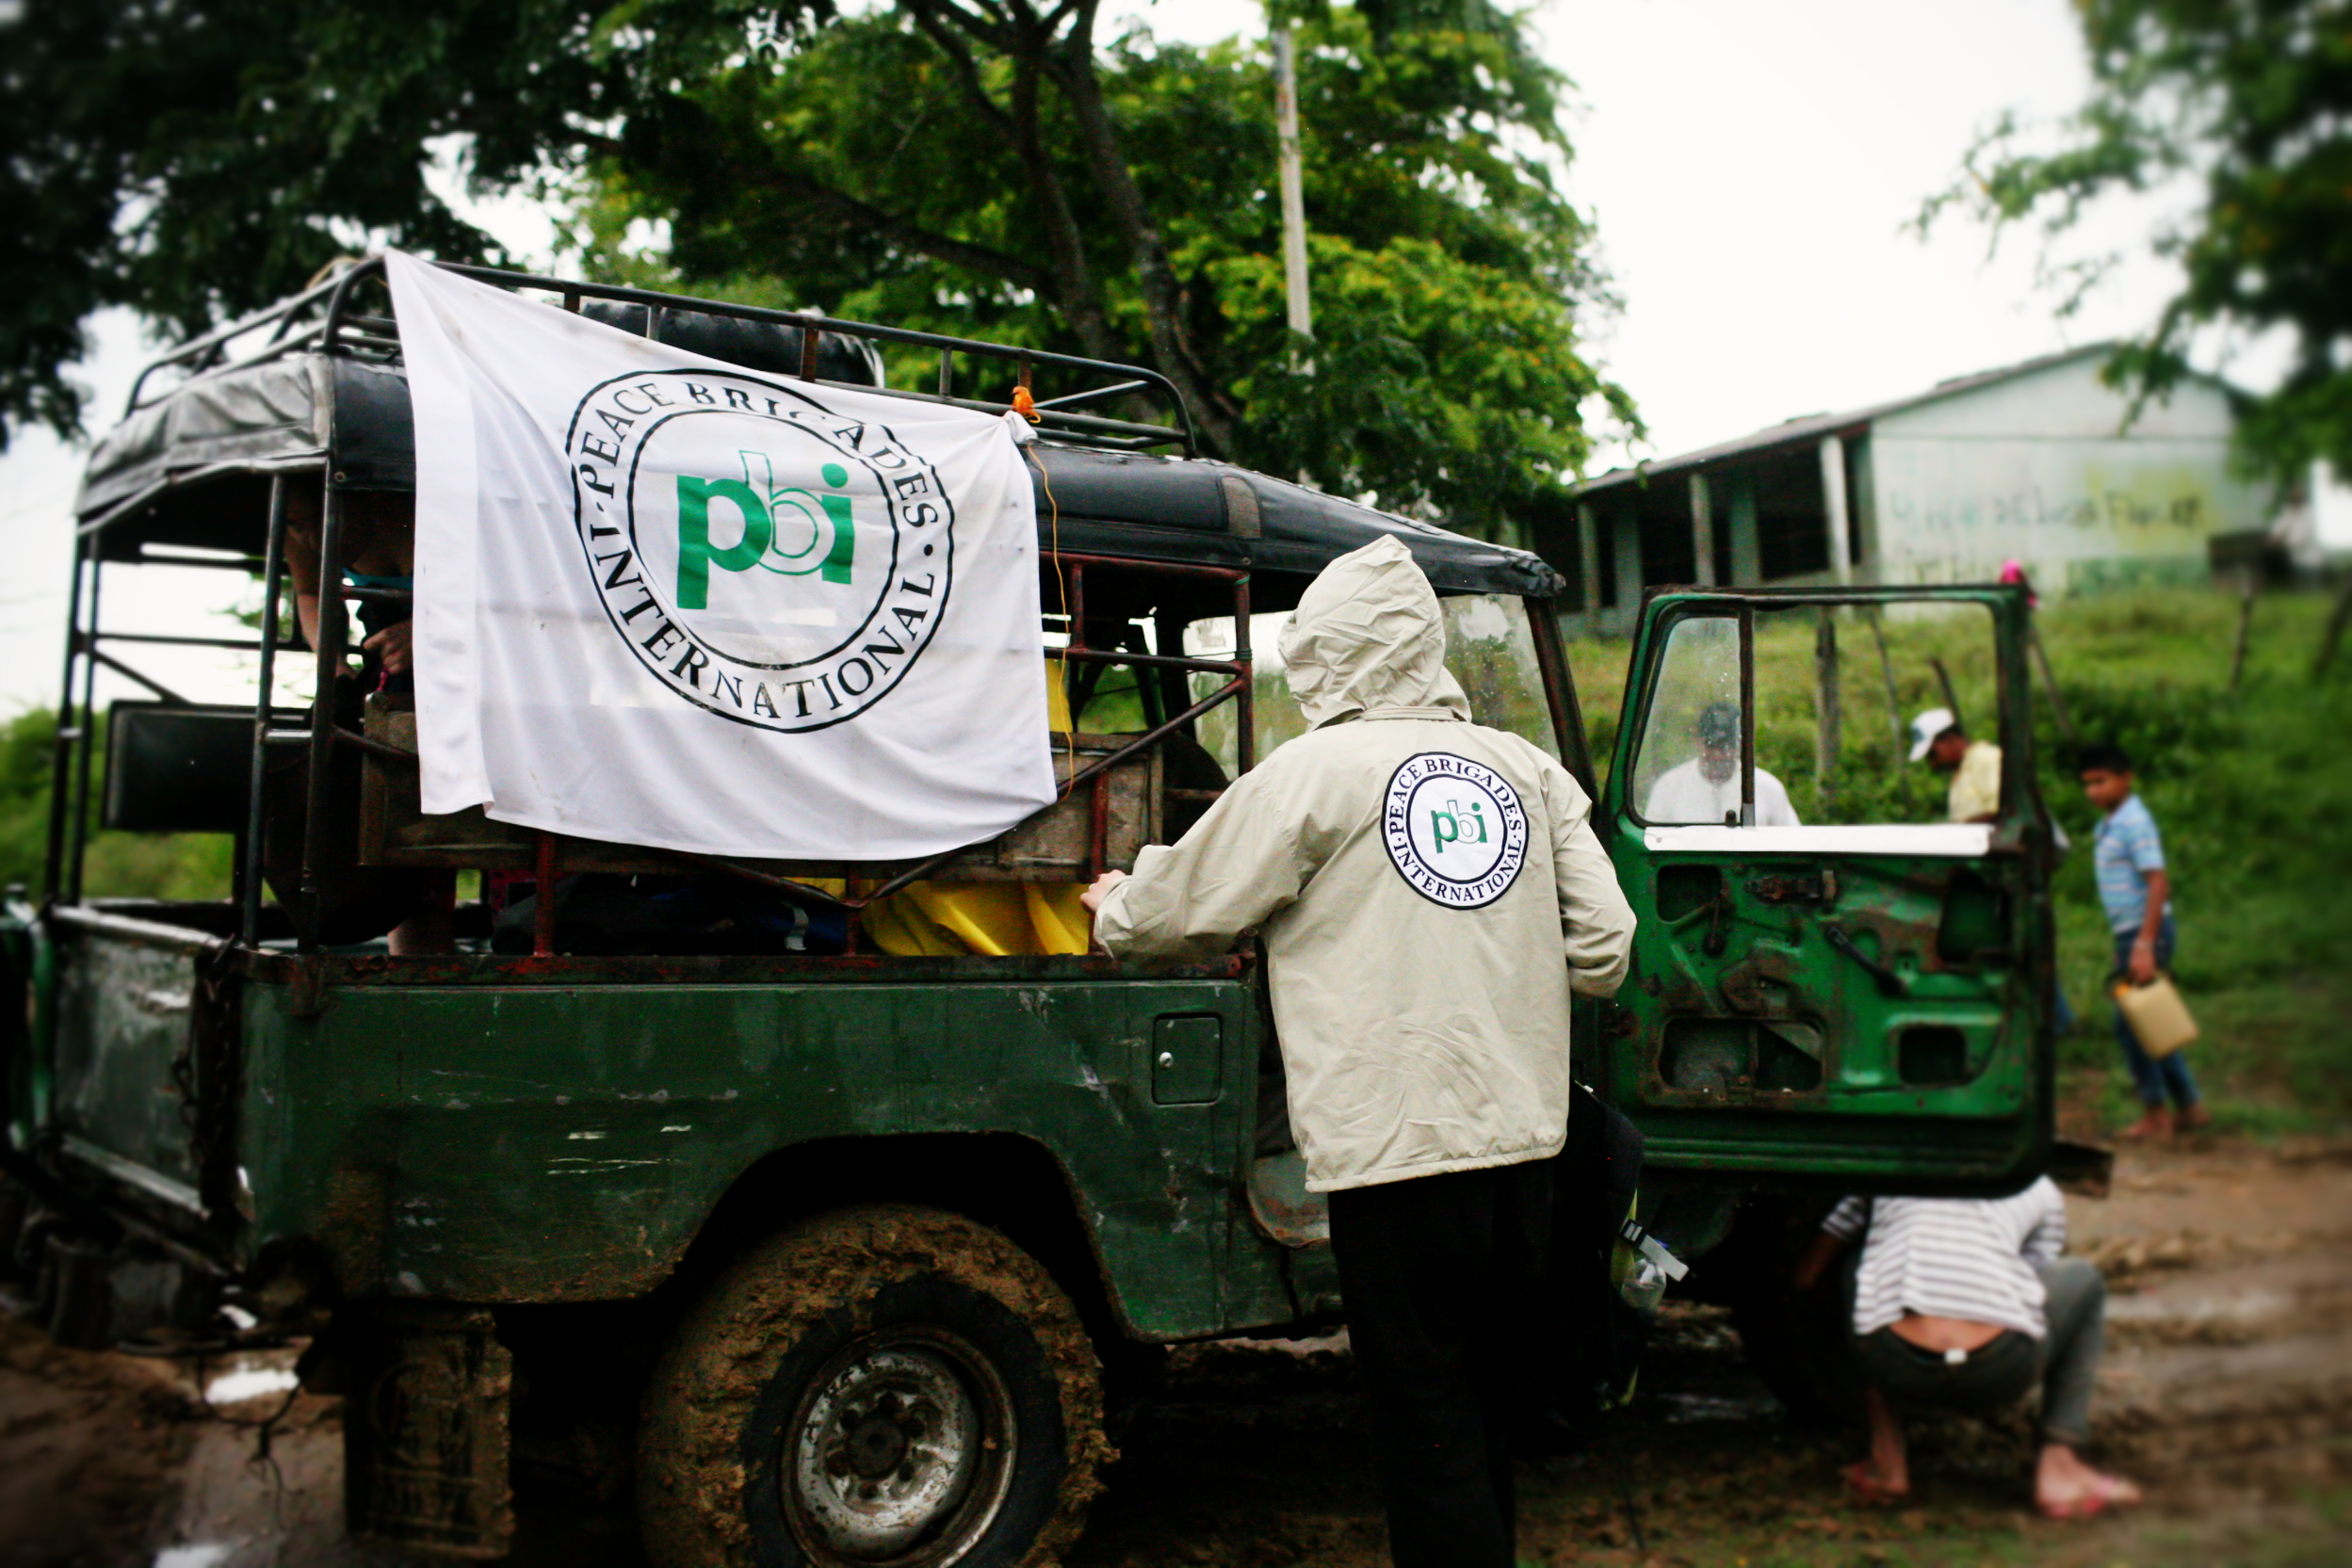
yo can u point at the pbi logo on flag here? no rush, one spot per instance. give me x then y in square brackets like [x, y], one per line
[776, 519]
[770, 560]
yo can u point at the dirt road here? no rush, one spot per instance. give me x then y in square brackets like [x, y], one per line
[2228, 1390]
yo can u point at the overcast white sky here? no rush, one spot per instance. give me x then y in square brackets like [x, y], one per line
[1749, 166]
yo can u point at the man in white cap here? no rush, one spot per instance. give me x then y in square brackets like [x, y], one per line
[1937, 739]
[1428, 891]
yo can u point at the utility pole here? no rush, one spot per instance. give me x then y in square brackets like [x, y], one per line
[1293, 193]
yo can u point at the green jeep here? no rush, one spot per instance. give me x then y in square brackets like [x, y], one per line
[835, 1252]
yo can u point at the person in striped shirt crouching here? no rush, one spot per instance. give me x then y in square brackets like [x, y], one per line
[1966, 1303]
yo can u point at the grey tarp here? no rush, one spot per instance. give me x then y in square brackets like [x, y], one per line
[184, 468]
[249, 417]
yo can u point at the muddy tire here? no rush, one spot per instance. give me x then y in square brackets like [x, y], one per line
[1795, 1342]
[880, 1385]
[1797, 1347]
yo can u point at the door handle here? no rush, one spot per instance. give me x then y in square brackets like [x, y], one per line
[1889, 981]
[1717, 910]
[1822, 889]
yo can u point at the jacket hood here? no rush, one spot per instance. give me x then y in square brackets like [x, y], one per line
[1368, 634]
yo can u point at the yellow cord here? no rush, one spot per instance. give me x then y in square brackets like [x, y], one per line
[1063, 590]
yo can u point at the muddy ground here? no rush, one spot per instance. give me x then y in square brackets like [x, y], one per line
[2228, 1392]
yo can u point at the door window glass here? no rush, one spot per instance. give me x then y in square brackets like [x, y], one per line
[1838, 691]
[1687, 768]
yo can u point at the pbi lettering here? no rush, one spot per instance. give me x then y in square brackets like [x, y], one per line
[1453, 825]
[775, 519]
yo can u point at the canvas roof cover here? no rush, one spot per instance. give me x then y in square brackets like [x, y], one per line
[189, 469]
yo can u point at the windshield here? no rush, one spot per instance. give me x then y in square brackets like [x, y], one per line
[1491, 648]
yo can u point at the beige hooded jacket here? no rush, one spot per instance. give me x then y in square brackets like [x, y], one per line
[1429, 890]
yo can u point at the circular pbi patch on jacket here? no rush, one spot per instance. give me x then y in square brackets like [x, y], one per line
[1454, 828]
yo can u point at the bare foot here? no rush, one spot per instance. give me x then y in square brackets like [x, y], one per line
[2189, 1119]
[1873, 1482]
[2066, 1488]
[2156, 1124]
[1885, 1476]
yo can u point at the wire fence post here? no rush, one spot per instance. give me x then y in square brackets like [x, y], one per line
[1829, 737]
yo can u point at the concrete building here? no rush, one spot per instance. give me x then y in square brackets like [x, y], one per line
[2039, 463]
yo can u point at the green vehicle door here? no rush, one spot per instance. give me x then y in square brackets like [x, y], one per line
[1860, 999]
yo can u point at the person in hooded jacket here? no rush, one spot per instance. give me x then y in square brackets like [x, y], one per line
[1429, 892]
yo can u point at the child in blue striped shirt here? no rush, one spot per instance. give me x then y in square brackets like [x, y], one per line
[2133, 884]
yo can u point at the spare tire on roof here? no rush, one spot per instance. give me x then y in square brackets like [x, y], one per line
[753, 345]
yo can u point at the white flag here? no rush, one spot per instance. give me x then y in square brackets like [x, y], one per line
[663, 599]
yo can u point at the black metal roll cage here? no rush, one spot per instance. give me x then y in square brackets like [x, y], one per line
[340, 331]
[341, 328]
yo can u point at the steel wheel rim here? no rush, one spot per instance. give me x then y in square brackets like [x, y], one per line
[901, 1452]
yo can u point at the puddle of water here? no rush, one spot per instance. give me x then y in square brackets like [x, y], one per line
[205, 1556]
[230, 1388]
[1337, 1341]
[1679, 1409]
[2240, 1303]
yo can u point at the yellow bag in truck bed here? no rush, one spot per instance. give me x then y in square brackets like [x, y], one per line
[931, 919]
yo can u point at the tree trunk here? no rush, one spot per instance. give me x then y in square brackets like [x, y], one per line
[1894, 703]
[2246, 628]
[1073, 69]
[1073, 292]
[2334, 638]
[840, 207]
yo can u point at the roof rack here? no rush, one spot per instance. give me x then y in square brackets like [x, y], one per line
[343, 330]
[212, 350]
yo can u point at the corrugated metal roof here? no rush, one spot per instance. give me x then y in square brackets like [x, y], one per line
[1807, 429]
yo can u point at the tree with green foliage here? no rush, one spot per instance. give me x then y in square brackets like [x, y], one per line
[899, 169]
[195, 159]
[987, 167]
[2253, 99]
[27, 753]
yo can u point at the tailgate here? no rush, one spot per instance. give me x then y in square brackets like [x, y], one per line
[122, 1103]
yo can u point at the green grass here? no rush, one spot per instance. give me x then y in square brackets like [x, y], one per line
[2252, 789]
[120, 865]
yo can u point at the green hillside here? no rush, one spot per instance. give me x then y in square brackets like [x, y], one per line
[128, 866]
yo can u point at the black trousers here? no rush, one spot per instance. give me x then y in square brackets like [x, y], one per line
[1442, 1277]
